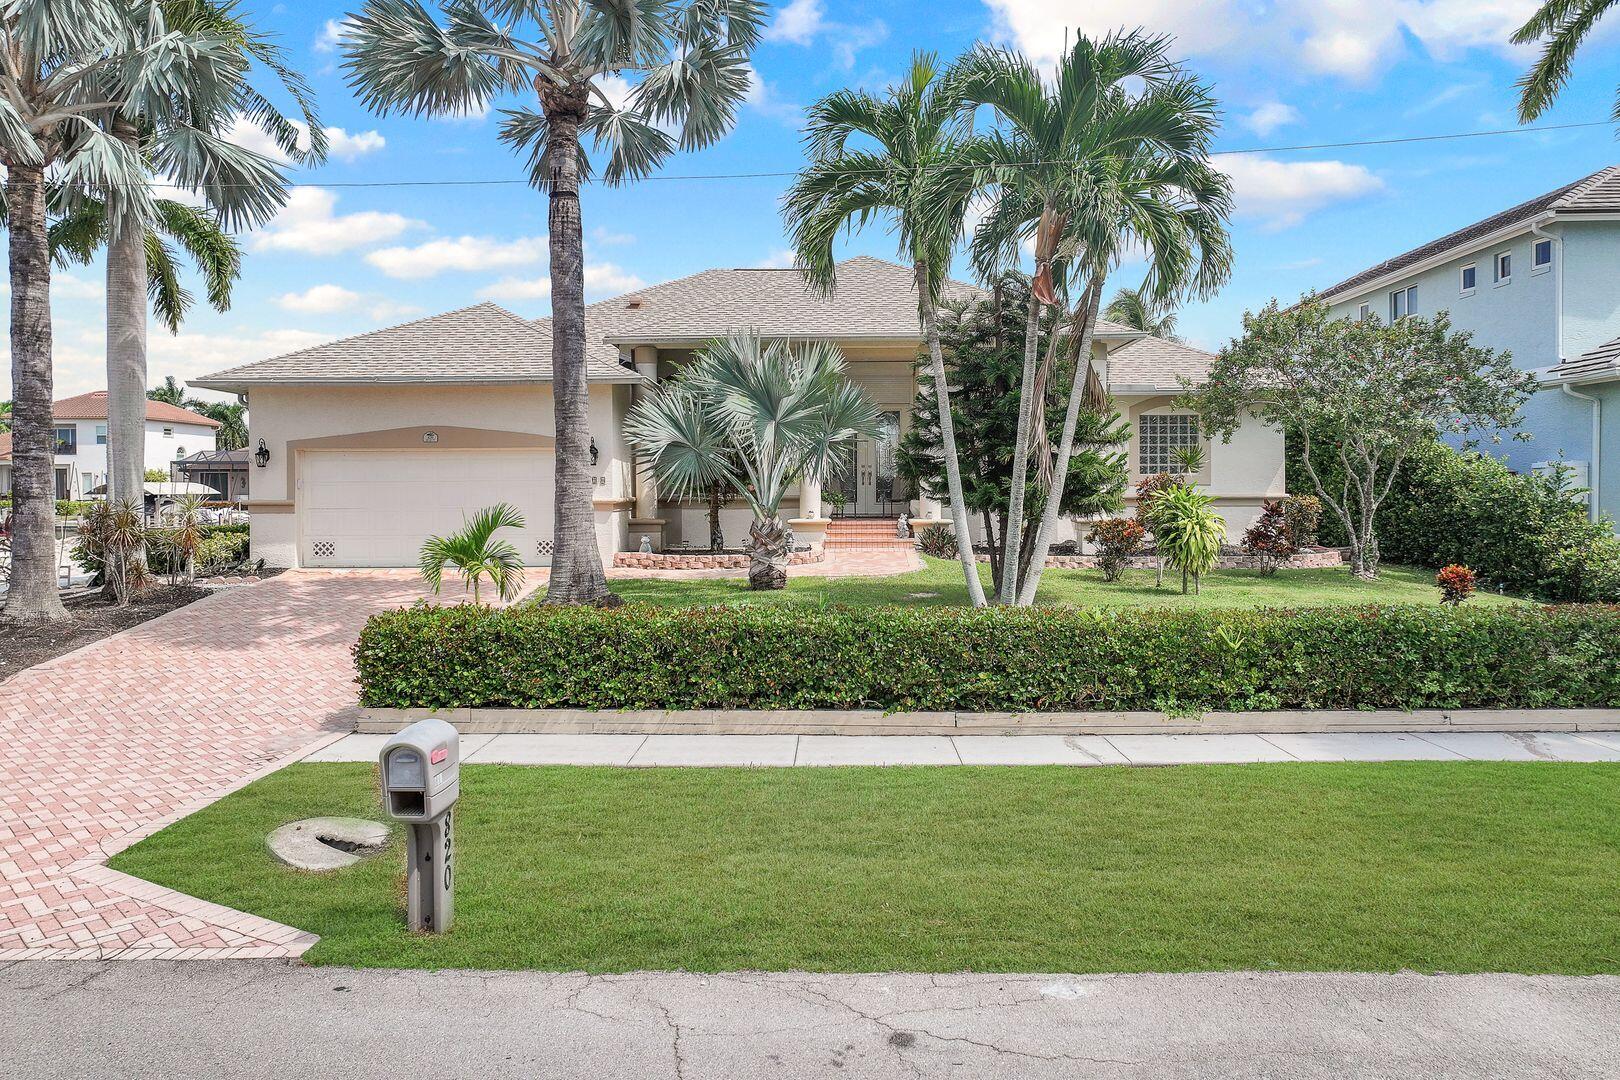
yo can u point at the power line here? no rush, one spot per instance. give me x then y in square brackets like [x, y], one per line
[783, 173]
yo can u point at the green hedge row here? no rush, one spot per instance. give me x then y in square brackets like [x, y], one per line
[899, 658]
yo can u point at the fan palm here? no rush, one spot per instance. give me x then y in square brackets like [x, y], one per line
[760, 416]
[1563, 25]
[692, 59]
[477, 554]
[75, 70]
[1138, 310]
[921, 178]
[1110, 98]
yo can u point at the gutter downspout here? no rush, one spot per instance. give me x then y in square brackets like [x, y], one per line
[1593, 472]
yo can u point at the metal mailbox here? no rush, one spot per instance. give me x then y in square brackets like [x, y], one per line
[421, 781]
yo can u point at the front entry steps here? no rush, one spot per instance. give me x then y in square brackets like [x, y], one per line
[864, 534]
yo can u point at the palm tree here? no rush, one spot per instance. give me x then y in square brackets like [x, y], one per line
[757, 415]
[231, 416]
[922, 177]
[75, 69]
[692, 56]
[1565, 25]
[1139, 311]
[477, 554]
[1108, 99]
[170, 392]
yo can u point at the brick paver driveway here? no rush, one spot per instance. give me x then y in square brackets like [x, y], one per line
[107, 744]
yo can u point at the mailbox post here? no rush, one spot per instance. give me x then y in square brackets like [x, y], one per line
[421, 780]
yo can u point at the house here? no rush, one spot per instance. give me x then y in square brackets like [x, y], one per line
[1539, 280]
[81, 441]
[373, 443]
[226, 471]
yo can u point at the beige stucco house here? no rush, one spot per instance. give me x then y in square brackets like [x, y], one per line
[378, 441]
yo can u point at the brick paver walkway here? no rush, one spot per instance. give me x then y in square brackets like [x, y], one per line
[108, 744]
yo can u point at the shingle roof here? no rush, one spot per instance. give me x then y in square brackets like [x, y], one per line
[1598, 193]
[1591, 365]
[93, 406]
[482, 343]
[1157, 363]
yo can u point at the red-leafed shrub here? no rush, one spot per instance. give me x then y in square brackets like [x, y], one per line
[1456, 584]
[1269, 538]
[1117, 540]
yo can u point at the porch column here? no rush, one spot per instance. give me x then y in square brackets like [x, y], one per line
[645, 520]
[810, 497]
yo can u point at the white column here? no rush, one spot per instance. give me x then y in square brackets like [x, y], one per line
[810, 497]
[645, 358]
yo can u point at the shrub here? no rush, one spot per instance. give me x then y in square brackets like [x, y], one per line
[1188, 532]
[938, 541]
[755, 657]
[1456, 584]
[1302, 518]
[1268, 539]
[1117, 540]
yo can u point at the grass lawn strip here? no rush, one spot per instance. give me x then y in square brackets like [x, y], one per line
[1431, 866]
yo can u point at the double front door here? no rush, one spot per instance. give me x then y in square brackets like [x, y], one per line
[870, 483]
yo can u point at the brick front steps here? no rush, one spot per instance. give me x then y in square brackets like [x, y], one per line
[865, 534]
[1305, 560]
[670, 560]
[875, 722]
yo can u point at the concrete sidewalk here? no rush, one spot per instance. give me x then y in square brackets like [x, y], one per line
[277, 1020]
[788, 750]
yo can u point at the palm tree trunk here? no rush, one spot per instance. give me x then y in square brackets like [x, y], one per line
[947, 436]
[126, 358]
[1082, 336]
[33, 594]
[576, 564]
[1013, 542]
[767, 554]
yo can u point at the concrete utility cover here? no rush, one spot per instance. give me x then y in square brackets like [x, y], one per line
[327, 843]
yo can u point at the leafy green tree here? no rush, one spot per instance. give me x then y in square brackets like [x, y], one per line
[477, 553]
[920, 177]
[1372, 393]
[691, 57]
[1561, 26]
[5, 421]
[983, 347]
[759, 415]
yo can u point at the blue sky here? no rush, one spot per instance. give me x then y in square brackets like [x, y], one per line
[343, 260]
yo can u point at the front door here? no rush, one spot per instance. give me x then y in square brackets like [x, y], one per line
[873, 487]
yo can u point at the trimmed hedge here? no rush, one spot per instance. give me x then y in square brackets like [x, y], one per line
[899, 658]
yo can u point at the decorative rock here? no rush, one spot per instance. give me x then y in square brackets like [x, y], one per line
[300, 844]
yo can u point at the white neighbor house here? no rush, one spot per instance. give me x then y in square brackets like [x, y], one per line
[81, 441]
[378, 441]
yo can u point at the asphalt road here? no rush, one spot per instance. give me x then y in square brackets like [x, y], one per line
[276, 1019]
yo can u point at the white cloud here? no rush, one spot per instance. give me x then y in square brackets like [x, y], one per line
[780, 259]
[331, 35]
[516, 288]
[601, 279]
[308, 224]
[319, 300]
[347, 145]
[608, 238]
[434, 257]
[1284, 193]
[341, 144]
[1269, 117]
[762, 97]
[69, 287]
[609, 280]
[799, 22]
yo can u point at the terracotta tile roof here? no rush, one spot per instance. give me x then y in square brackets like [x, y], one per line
[1156, 363]
[5, 445]
[93, 406]
[1598, 193]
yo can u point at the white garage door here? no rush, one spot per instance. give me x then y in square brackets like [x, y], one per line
[375, 508]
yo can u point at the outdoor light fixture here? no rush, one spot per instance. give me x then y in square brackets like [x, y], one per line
[261, 456]
[594, 453]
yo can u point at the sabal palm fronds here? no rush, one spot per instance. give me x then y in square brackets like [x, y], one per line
[477, 553]
[1561, 26]
[758, 415]
[920, 178]
[688, 61]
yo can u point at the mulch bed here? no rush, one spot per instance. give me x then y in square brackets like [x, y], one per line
[92, 619]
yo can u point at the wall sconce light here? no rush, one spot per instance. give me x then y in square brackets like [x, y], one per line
[261, 456]
[594, 453]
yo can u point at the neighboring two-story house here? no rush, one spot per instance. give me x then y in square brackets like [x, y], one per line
[81, 441]
[1542, 281]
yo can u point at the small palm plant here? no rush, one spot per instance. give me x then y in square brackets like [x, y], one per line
[477, 554]
[113, 533]
[1188, 532]
[759, 415]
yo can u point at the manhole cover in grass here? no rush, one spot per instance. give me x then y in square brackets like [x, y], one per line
[327, 843]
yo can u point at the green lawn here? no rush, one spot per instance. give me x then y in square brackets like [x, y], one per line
[1375, 867]
[940, 582]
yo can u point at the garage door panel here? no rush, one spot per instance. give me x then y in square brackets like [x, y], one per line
[377, 508]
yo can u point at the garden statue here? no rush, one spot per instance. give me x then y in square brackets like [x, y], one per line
[902, 528]
[646, 545]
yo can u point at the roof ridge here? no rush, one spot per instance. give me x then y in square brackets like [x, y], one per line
[1583, 185]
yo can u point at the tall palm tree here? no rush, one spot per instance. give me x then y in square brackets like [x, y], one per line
[921, 177]
[73, 70]
[170, 392]
[1139, 311]
[1563, 25]
[759, 416]
[1108, 98]
[692, 59]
